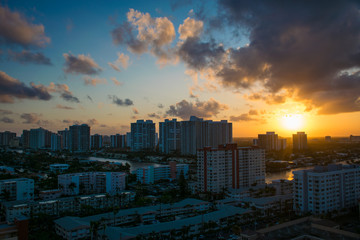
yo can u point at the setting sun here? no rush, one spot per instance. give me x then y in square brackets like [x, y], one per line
[293, 121]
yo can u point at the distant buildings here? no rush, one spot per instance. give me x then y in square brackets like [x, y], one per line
[56, 142]
[169, 136]
[92, 182]
[197, 133]
[143, 135]
[327, 138]
[79, 138]
[300, 141]
[65, 138]
[6, 137]
[17, 189]
[59, 167]
[354, 138]
[270, 142]
[229, 167]
[118, 141]
[326, 189]
[25, 139]
[40, 138]
[151, 174]
[96, 142]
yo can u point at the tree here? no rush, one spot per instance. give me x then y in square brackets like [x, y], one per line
[94, 227]
[72, 186]
[5, 194]
[184, 190]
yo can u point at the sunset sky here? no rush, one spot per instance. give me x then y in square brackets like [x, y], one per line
[262, 65]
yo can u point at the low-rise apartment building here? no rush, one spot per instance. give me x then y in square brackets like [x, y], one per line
[17, 189]
[55, 207]
[151, 174]
[92, 182]
[326, 188]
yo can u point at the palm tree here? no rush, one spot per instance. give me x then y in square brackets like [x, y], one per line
[94, 227]
[72, 186]
[115, 211]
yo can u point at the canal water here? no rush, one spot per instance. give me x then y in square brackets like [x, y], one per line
[288, 174]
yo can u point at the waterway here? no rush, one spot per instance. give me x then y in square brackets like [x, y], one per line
[288, 174]
[133, 165]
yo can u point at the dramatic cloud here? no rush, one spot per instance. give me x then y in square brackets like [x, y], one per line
[190, 28]
[154, 35]
[135, 111]
[7, 120]
[94, 81]
[11, 88]
[5, 112]
[309, 47]
[69, 97]
[26, 56]
[243, 117]
[30, 118]
[120, 102]
[16, 29]
[81, 64]
[64, 91]
[92, 122]
[199, 55]
[206, 109]
[121, 62]
[115, 81]
[160, 106]
[154, 115]
[253, 112]
[59, 106]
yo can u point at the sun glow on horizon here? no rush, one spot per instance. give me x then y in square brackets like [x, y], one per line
[292, 121]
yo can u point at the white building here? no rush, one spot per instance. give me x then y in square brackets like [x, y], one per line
[169, 140]
[17, 189]
[270, 142]
[151, 174]
[59, 167]
[143, 135]
[326, 188]
[56, 142]
[300, 141]
[55, 207]
[198, 133]
[92, 182]
[230, 167]
[76, 227]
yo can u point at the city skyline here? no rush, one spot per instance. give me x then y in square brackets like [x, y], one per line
[108, 65]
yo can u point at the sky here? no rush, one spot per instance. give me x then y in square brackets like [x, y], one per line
[282, 66]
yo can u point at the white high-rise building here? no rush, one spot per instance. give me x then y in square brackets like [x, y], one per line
[96, 142]
[326, 188]
[169, 140]
[300, 141]
[118, 141]
[92, 182]
[142, 135]
[197, 133]
[17, 189]
[79, 138]
[230, 167]
[56, 142]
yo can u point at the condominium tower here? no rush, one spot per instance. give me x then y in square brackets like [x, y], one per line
[230, 167]
[326, 188]
[143, 135]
